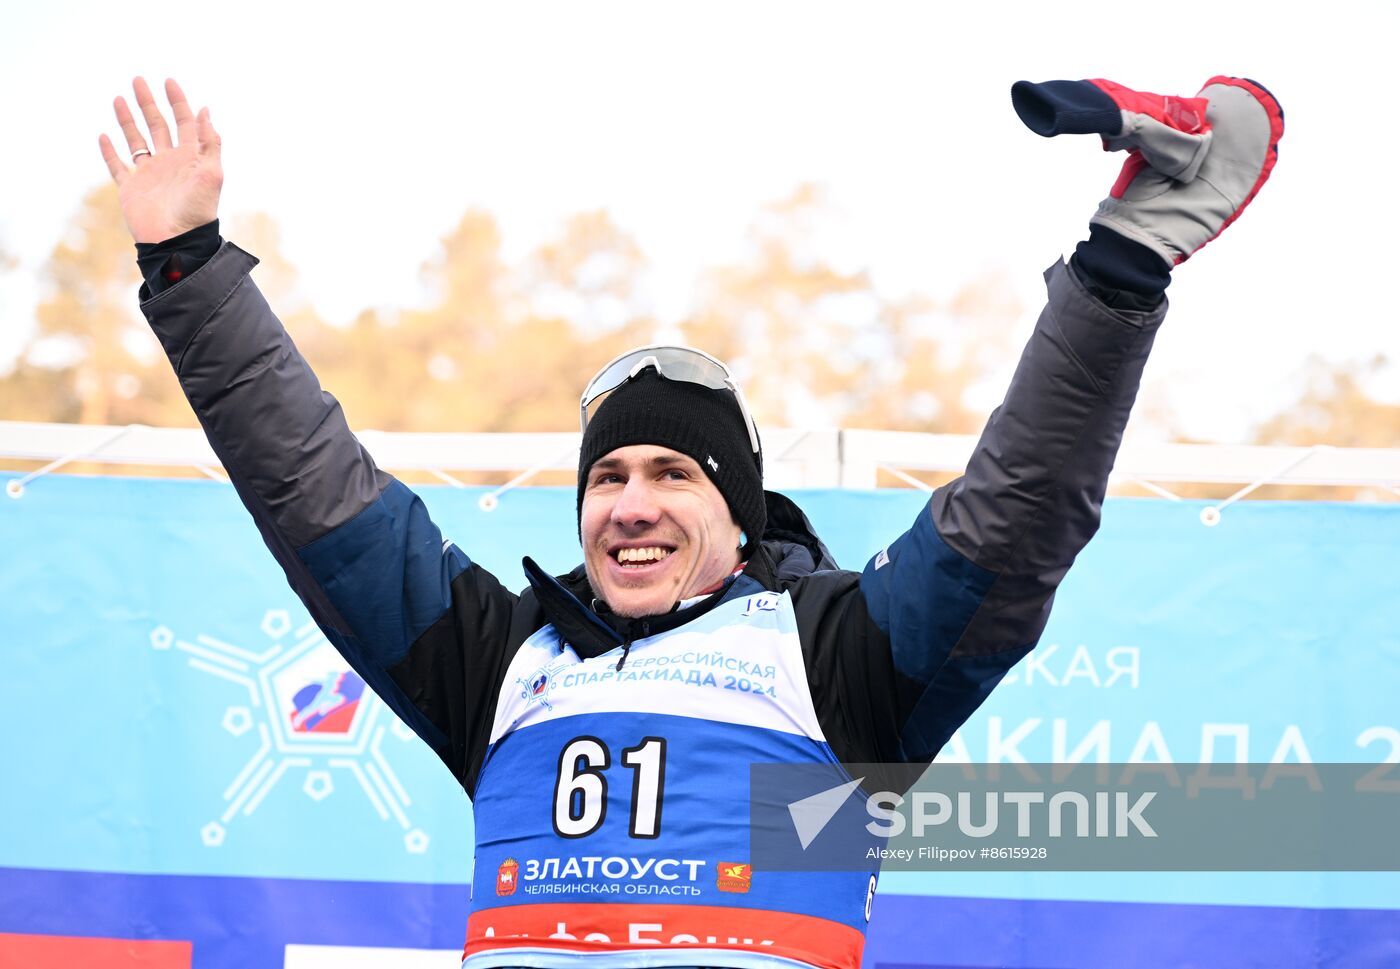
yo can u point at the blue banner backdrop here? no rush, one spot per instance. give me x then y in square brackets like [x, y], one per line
[170, 774]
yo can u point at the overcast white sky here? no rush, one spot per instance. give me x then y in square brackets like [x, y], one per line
[367, 129]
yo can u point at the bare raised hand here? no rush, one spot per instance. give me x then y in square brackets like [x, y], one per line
[171, 185]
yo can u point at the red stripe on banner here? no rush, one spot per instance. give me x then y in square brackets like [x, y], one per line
[602, 927]
[66, 951]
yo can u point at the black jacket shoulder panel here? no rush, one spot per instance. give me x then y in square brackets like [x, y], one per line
[860, 697]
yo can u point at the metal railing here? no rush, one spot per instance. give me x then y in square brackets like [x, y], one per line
[817, 458]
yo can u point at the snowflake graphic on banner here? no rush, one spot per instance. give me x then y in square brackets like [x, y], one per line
[310, 713]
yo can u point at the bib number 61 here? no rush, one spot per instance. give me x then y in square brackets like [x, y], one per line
[581, 787]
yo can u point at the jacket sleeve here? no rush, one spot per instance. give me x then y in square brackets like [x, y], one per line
[966, 592]
[425, 627]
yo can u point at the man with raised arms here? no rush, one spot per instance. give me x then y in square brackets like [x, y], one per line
[603, 721]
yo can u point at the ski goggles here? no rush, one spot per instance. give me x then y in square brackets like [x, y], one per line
[672, 362]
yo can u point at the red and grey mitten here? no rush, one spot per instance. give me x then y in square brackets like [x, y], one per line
[1171, 132]
[1194, 163]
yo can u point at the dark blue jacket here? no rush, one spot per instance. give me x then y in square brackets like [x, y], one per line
[897, 656]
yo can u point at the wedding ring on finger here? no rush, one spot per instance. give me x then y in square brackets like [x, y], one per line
[138, 153]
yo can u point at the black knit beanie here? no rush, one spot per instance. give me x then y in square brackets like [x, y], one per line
[704, 424]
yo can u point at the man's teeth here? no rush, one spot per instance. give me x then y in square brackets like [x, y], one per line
[654, 554]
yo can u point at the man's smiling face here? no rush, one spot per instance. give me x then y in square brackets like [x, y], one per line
[655, 530]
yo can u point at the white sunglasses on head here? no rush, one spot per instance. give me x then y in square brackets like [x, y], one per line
[672, 362]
